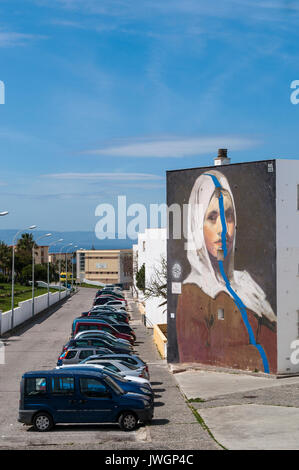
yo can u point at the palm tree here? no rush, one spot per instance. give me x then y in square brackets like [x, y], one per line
[5, 258]
[26, 242]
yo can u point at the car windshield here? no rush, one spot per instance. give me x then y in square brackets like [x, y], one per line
[129, 366]
[114, 385]
[115, 375]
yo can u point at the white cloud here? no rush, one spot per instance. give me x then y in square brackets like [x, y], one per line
[12, 39]
[104, 176]
[175, 147]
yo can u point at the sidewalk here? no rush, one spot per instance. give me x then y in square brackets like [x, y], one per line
[243, 411]
[174, 426]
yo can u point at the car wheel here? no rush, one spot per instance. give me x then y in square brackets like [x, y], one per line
[127, 421]
[43, 422]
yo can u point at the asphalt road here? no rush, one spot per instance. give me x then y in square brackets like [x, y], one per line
[37, 346]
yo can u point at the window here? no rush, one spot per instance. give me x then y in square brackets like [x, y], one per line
[87, 327]
[35, 386]
[111, 367]
[82, 261]
[93, 388]
[63, 385]
[220, 314]
[129, 366]
[70, 354]
[86, 353]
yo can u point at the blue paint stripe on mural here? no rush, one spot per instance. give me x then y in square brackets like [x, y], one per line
[237, 299]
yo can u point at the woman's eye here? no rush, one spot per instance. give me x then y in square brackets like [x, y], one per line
[213, 216]
[229, 215]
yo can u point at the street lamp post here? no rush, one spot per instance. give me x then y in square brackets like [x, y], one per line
[66, 262]
[64, 246]
[32, 227]
[76, 246]
[48, 269]
[33, 259]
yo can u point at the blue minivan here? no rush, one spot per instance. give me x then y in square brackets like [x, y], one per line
[79, 396]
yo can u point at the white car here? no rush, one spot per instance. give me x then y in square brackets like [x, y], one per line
[101, 334]
[117, 365]
[132, 378]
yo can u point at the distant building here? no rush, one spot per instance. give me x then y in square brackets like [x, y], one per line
[41, 254]
[55, 257]
[105, 266]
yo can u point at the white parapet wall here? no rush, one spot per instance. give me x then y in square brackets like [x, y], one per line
[24, 311]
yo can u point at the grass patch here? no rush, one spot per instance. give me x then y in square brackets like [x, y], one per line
[89, 285]
[196, 400]
[204, 426]
[21, 293]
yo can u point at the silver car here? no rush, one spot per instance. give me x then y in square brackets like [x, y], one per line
[119, 366]
[76, 355]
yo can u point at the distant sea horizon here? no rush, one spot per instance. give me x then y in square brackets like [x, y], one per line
[84, 239]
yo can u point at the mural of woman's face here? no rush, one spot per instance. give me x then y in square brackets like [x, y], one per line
[212, 226]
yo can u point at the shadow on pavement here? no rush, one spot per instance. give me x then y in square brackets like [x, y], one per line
[159, 422]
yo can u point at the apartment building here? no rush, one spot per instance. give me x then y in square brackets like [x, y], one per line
[105, 266]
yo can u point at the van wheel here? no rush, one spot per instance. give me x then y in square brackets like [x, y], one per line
[43, 422]
[127, 421]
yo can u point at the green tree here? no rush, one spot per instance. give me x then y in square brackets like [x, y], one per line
[157, 285]
[23, 253]
[140, 278]
[5, 258]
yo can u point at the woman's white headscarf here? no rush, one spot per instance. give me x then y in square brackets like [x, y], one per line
[202, 271]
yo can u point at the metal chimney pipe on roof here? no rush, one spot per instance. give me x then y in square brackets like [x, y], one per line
[222, 158]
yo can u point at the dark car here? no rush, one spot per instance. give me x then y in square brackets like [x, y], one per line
[97, 341]
[124, 328]
[55, 396]
[126, 384]
[119, 316]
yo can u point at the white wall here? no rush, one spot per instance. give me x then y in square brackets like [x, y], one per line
[155, 248]
[287, 244]
[24, 311]
[135, 264]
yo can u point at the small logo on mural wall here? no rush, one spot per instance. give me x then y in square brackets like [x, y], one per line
[2, 92]
[176, 288]
[176, 271]
[2, 353]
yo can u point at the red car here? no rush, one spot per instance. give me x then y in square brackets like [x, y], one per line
[83, 325]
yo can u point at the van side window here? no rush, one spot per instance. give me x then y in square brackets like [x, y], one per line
[93, 388]
[35, 386]
[63, 385]
[86, 353]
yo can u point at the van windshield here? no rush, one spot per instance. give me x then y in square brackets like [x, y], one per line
[114, 385]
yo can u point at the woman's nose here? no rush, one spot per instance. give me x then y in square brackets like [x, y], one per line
[219, 227]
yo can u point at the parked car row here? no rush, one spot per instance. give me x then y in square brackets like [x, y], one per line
[98, 377]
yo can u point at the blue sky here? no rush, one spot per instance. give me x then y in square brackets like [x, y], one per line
[104, 96]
